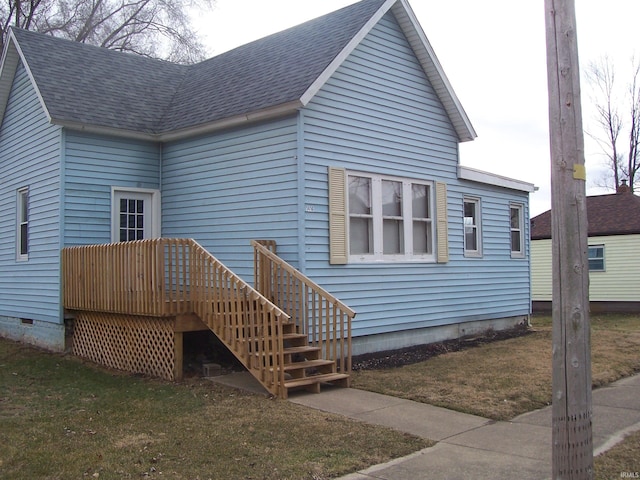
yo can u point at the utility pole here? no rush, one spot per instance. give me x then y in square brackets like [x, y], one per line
[572, 413]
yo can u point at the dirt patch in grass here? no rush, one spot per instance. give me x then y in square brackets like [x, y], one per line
[503, 378]
[65, 418]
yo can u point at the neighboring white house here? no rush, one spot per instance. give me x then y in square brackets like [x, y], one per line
[614, 264]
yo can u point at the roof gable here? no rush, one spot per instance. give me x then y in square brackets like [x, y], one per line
[93, 88]
[614, 214]
[275, 70]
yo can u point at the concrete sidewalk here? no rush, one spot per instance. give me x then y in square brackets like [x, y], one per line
[474, 447]
[469, 447]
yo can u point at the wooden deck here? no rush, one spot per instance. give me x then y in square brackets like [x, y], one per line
[288, 332]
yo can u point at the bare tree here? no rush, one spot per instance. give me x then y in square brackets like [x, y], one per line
[613, 125]
[154, 28]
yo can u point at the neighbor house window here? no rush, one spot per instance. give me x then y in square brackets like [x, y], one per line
[472, 228]
[596, 258]
[22, 224]
[517, 235]
[389, 218]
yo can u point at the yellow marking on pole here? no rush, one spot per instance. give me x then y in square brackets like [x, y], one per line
[579, 172]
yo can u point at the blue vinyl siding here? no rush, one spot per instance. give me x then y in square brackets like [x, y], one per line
[29, 160]
[499, 285]
[227, 189]
[379, 114]
[93, 164]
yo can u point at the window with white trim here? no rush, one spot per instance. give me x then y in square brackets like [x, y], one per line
[516, 213]
[596, 258]
[22, 224]
[472, 228]
[389, 219]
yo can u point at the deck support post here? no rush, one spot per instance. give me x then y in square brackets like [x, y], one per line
[178, 355]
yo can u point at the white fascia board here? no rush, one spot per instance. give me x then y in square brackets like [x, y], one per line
[426, 55]
[102, 130]
[266, 114]
[274, 112]
[473, 175]
[346, 51]
[12, 39]
[433, 69]
[10, 59]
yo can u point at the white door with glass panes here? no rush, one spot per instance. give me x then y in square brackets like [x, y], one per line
[134, 215]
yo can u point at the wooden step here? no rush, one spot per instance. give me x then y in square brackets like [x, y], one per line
[324, 378]
[290, 337]
[295, 336]
[307, 364]
[300, 349]
[289, 328]
[303, 365]
[297, 339]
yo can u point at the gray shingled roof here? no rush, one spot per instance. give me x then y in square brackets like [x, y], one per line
[88, 85]
[271, 71]
[96, 86]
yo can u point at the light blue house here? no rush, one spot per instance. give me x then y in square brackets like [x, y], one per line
[337, 138]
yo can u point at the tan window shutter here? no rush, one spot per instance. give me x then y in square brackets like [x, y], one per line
[337, 216]
[442, 222]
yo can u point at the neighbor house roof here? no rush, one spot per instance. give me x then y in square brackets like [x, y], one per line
[93, 88]
[615, 214]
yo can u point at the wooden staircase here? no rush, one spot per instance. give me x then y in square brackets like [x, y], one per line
[317, 340]
[287, 331]
[303, 366]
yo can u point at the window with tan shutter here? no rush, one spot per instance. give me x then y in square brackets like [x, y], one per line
[378, 218]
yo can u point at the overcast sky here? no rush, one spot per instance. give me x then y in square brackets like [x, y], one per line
[494, 54]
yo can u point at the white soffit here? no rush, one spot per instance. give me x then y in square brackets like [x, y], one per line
[473, 175]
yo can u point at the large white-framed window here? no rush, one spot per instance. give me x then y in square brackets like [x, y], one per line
[389, 218]
[596, 258]
[472, 227]
[516, 214]
[135, 214]
[22, 224]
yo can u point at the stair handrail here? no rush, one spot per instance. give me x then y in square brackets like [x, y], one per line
[256, 337]
[317, 313]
